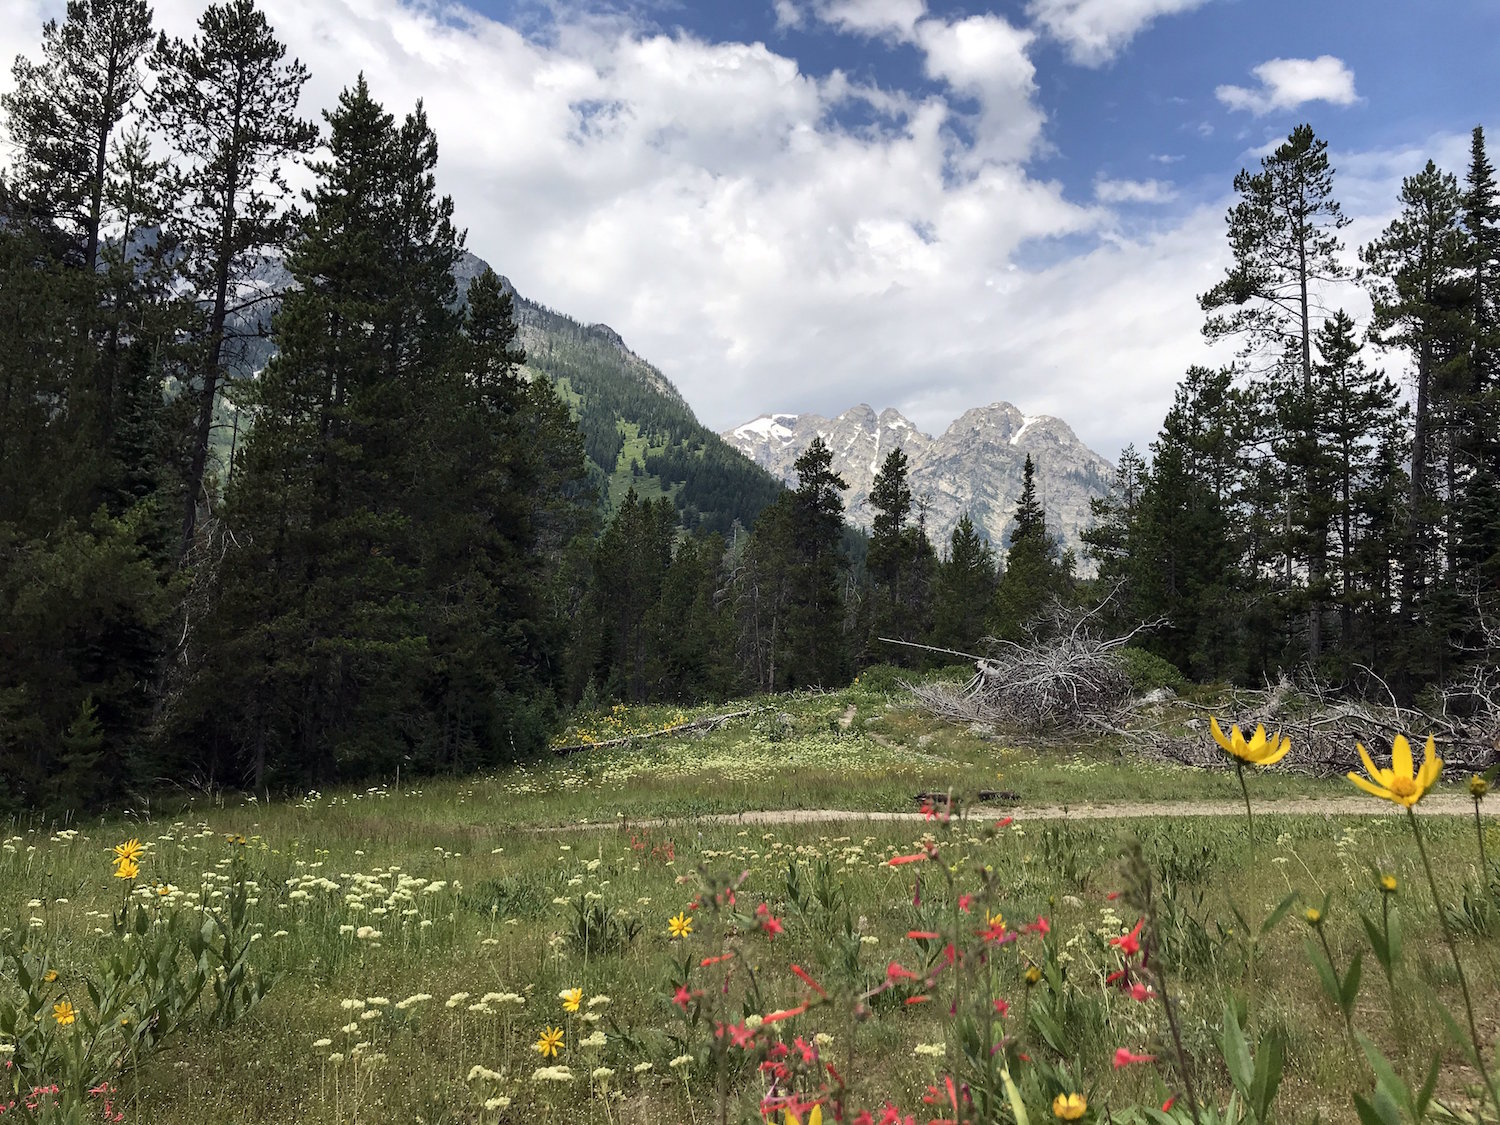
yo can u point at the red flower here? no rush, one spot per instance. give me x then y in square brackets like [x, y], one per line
[772, 927]
[898, 860]
[1041, 926]
[682, 997]
[963, 902]
[895, 972]
[1169, 1103]
[1006, 823]
[801, 973]
[1112, 896]
[1002, 1008]
[1123, 1057]
[785, 1014]
[923, 935]
[1139, 991]
[1130, 944]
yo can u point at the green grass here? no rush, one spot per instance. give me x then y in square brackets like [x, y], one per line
[502, 916]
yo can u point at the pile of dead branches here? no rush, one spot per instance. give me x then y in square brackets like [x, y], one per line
[1075, 680]
[1325, 728]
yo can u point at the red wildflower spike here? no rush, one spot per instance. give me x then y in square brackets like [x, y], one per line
[1002, 1008]
[898, 860]
[1042, 926]
[801, 973]
[1112, 896]
[785, 1014]
[1006, 823]
[1123, 1058]
[772, 927]
[918, 999]
[1129, 944]
[923, 935]
[1169, 1103]
[1139, 991]
[963, 902]
[682, 997]
[894, 971]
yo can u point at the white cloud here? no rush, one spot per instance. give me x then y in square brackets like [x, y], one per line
[897, 18]
[1095, 31]
[788, 14]
[701, 199]
[1288, 83]
[1166, 158]
[1134, 191]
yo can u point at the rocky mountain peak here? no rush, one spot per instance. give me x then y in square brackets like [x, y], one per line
[975, 466]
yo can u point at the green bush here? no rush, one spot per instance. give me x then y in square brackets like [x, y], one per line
[1147, 671]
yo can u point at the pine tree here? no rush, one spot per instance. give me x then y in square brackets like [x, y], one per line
[900, 566]
[1035, 575]
[63, 114]
[963, 588]
[1411, 271]
[226, 100]
[1284, 237]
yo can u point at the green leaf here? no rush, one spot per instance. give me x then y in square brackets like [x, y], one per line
[1459, 1036]
[1236, 1051]
[1270, 1056]
[1386, 1077]
[1424, 1095]
[1349, 989]
[1369, 1115]
[1377, 942]
[1324, 970]
[1013, 1096]
[1275, 917]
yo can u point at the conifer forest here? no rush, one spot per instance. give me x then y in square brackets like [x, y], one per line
[274, 529]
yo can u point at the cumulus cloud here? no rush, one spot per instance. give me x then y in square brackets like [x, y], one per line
[703, 199]
[896, 18]
[1134, 191]
[1095, 31]
[788, 14]
[1288, 83]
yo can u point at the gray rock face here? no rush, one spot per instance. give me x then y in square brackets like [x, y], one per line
[975, 466]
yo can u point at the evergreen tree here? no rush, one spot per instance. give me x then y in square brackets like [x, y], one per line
[963, 589]
[900, 566]
[226, 100]
[1412, 273]
[1284, 237]
[1035, 575]
[63, 114]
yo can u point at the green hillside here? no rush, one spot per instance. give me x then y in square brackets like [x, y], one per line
[638, 430]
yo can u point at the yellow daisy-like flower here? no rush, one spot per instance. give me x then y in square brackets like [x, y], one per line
[49, 976]
[813, 1118]
[571, 999]
[1399, 784]
[1260, 750]
[680, 925]
[549, 1043]
[1069, 1107]
[64, 1013]
[1388, 884]
[1478, 787]
[126, 869]
[130, 851]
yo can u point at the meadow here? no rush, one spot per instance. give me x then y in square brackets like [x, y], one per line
[574, 942]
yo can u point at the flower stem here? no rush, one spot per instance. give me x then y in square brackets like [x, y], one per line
[1249, 816]
[1484, 859]
[1458, 968]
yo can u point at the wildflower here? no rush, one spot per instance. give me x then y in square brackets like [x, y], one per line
[1478, 787]
[641, 1068]
[50, 976]
[551, 1040]
[1388, 884]
[1314, 916]
[931, 1050]
[1123, 1057]
[1129, 944]
[1260, 750]
[1069, 1107]
[597, 1001]
[680, 925]
[572, 999]
[126, 869]
[814, 1117]
[1034, 975]
[499, 1102]
[322, 1042]
[64, 1013]
[602, 1074]
[681, 1061]
[1399, 784]
[552, 1074]
[129, 852]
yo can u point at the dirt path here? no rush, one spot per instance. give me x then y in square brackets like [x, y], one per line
[1296, 806]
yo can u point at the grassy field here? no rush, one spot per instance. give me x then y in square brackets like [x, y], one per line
[415, 944]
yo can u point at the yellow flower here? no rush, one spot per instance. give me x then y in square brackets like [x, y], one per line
[64, 1013]
[1388, 884]
[126, 869]
[1478, 787]
[1398, 784]
[130, 851]
[813, 1118]
[680, 926]
[571, 998]
[1259, 751]
[1313, 915]
[1034, 975]
[1070, 1107]
[49, 976]
[547, 1046]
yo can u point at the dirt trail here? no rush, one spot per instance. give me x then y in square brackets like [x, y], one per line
[1296, 806]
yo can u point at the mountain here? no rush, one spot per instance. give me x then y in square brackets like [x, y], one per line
[974, 467]
[638, 430]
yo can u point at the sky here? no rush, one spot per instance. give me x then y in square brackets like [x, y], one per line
[800, 205]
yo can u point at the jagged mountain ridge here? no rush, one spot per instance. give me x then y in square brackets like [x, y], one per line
[975, 466]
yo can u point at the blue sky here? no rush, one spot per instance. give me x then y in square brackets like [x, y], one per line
[795, 205]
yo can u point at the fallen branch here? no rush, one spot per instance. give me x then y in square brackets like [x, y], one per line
[707, 723]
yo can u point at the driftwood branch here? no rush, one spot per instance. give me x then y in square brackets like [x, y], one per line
[708, 723]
